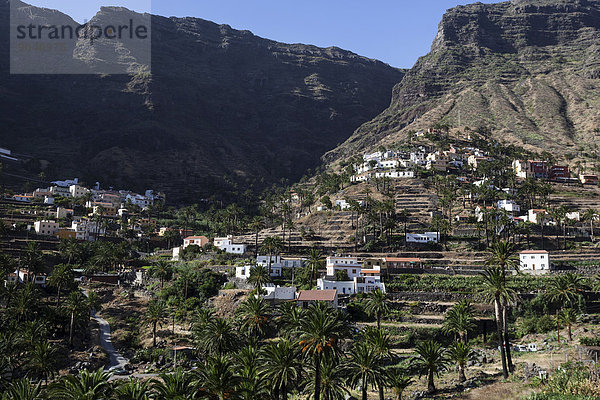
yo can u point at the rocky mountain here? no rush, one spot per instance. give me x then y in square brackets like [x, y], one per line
[220, 108]
[527, 70]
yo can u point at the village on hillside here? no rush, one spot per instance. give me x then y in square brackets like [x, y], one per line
[399, 239]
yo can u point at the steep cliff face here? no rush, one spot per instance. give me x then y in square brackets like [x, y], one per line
[529, 70]
[220, 105]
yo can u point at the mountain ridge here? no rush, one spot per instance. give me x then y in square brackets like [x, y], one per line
[528, 70]
[222, 109]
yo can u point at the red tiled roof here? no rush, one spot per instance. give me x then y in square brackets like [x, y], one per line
[196, 237]
[317, 295]
[370, 271]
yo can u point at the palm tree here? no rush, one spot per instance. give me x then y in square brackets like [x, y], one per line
[155, 315]
[42, 360]
[22, 389]
[495, 290]
[70, 250]
[86, 386]
[503, 254]
[215, 336]
[398, 381]
[432, 360]
[289, 319]
[314, 262]
[256, 225]
[321, 329]
[568, 318]
[254, 315]
[591, 215]
[252, 385]
[176, 386]
[33, 259]
[133, 389]
[459, 320]
[216, 380]
[460, 353]
[332, 380]
[364, 368]
[381, 343]
[377, 305]
[566, 288]
[162, 270]
[281, 366]
[75, 305]
[93, 302]
[258, 276]
[61, 277]
[272, 245]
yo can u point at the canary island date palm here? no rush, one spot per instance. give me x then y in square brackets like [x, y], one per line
[246, 362]
[315, 261]
[281, 366]
[332, 380]
[381, 343]
[254, 316]
[398, 381]
[377, 305]
[42, 360]
[132, 389]
[431, 361]
[495, 290]
[176, 386]
[503, 254]
[87, 386]
[155, 315]
[289, 319]
[460, 353]
[568, 318]
[364, 368]
[60, 278]
[215, 336]
[216, 380]
[259, 275]
[320, 332]
[23, 389]
[459, 320]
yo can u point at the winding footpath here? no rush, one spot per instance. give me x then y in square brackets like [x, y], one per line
[117, 361]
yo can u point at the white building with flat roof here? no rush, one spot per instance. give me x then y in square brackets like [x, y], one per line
[45, 227]
[535, 261]
[427, 237]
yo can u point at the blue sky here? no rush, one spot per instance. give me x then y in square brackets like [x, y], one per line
[394, 31]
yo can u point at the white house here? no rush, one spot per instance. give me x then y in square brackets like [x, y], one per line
[367, 281]
[522, 169]
[226, 244]
[509, 206]
[20, 276]
[342, 204]
[87, 230]
[279, 292]
[243, 272]
[45, 227]
[427, 237]
[78, 191]
[200, 241]
[533, 215]
[351, 265]
[535, 261]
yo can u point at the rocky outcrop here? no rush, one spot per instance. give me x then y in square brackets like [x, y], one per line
[526, 69]
[221, 109]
